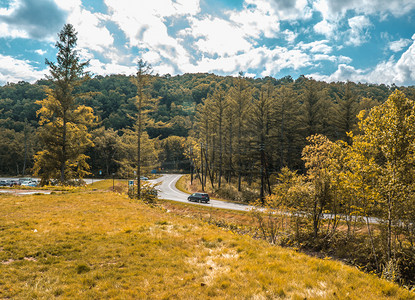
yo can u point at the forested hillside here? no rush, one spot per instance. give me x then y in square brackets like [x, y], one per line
[284, 110]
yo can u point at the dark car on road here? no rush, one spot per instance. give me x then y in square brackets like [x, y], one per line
[199, 197]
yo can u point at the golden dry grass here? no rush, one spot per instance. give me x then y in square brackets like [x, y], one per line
[103, 245]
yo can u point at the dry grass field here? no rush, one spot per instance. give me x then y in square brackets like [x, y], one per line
[99, 244]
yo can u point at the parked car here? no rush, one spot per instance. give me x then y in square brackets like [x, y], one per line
[199, 197]
[30, 183]
[143, 178]
[4, 183]
[14, 182]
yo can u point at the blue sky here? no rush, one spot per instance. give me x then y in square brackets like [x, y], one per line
[333, 40]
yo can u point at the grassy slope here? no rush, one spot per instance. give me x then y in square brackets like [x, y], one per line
[103, 245]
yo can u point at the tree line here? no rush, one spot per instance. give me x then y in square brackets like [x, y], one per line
[174, 117]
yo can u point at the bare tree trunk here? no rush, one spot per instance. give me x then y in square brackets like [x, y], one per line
[139, 146]
[201, 168]
[25, 149]
[209, 171]
[371, 241]
[262, 197]
[230, 152]
[63, 158]
[389, 227]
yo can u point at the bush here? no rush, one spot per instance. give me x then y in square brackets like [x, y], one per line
[228, 191]
[148, 193]
[406, 265]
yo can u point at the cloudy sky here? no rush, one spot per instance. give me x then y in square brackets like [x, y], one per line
[332, 40]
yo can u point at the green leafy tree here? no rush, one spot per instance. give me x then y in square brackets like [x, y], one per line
[105, 150]
[64, 124]
[128, 155]
[172, 154]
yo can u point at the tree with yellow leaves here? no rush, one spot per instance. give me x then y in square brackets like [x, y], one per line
[64, 124]
[387, 144]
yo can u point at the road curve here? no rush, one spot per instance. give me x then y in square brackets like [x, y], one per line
[167, 190]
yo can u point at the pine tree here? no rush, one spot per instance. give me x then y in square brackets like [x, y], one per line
[240, 98]
[344, 113]
[64, 124]
[144, 104]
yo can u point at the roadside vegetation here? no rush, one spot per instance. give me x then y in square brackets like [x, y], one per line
[105, 245]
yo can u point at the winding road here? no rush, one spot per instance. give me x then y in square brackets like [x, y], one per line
[167, 190]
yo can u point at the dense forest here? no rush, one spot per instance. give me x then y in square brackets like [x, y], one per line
[224, 114]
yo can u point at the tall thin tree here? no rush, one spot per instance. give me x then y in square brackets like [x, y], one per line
[144, 104]
[64, 124]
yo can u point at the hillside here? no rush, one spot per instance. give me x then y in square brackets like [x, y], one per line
[176, 115]
[103, 245]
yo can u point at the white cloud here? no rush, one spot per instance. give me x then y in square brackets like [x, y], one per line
[405, 67]
[286, 9]
[335, 9]
[398, 45]
[256, 20]
[97, 67]
[359, 30]
[68, 5]
[218, 36]
[143, 25]
[316, 47]
[401, 72]
[325, 28]
[267, 62]
[9, 31]
[343, 73]
[31, 19]
[336, 59]
[92, 34]
[290, 36]
[40, 52]
[14, 70]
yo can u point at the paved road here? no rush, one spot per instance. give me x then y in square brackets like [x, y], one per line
[167, 190]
